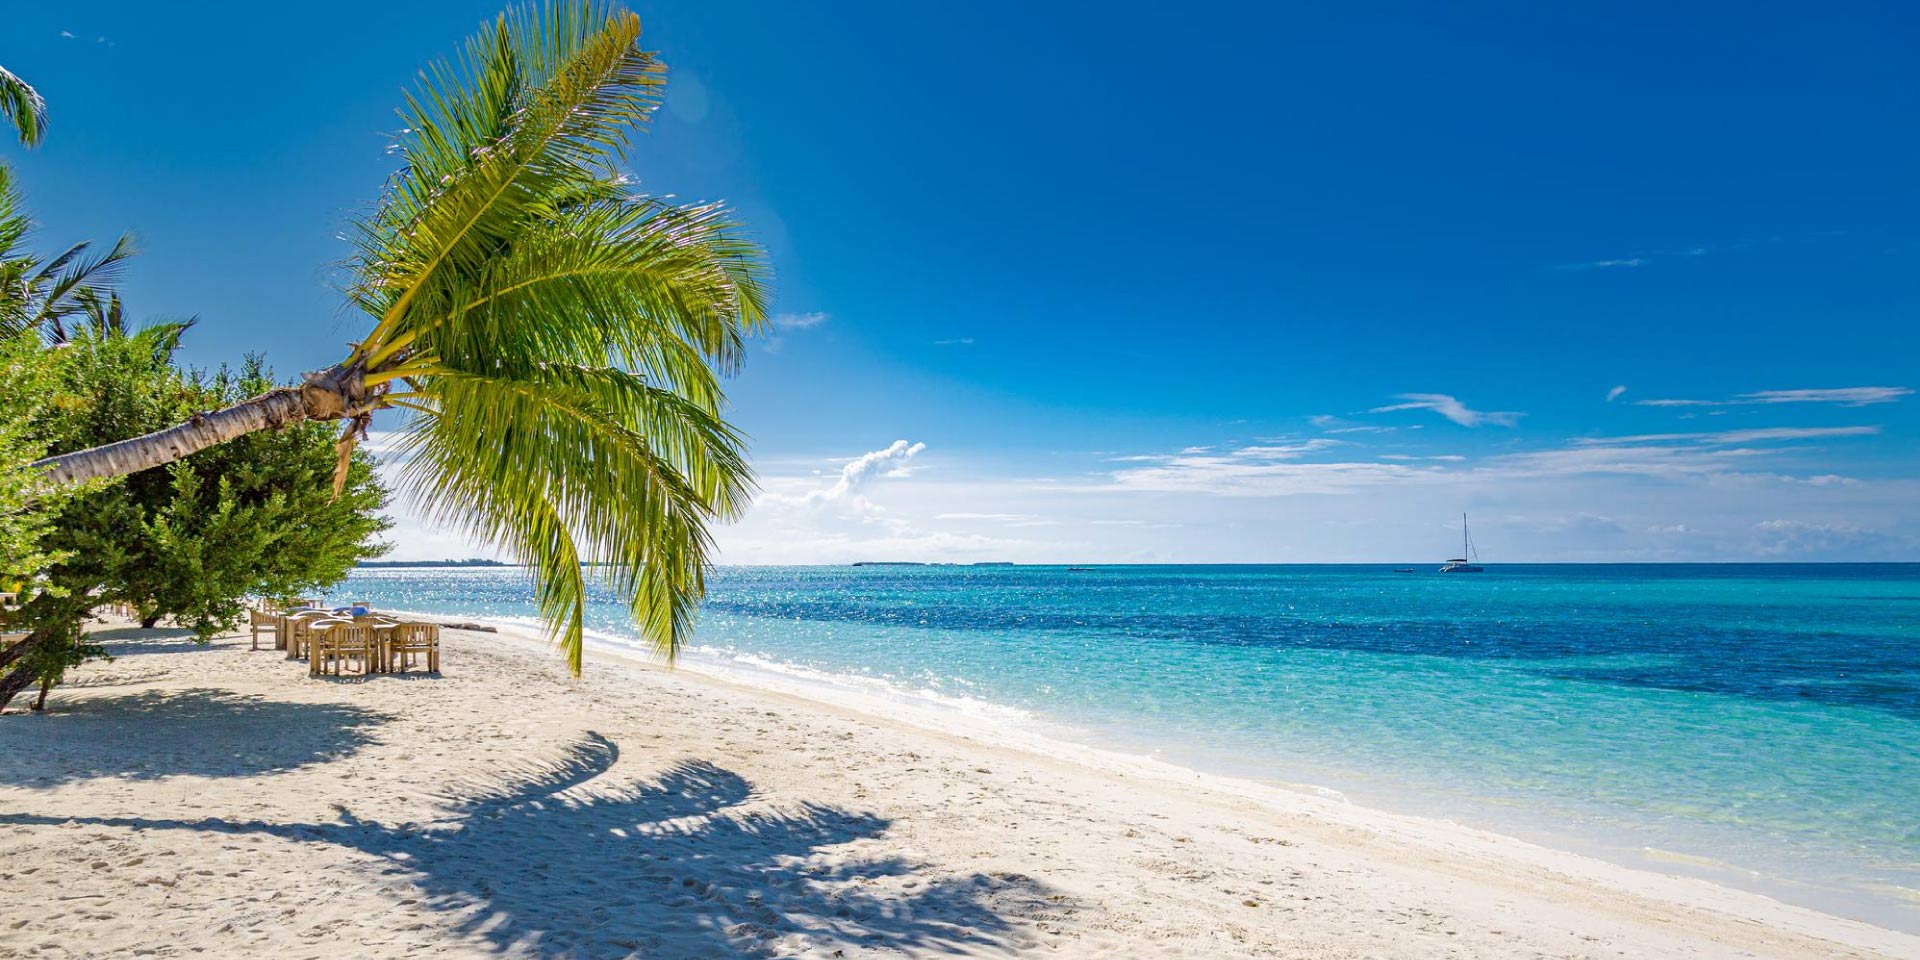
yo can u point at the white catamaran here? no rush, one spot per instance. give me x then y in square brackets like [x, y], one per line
[1465, 562]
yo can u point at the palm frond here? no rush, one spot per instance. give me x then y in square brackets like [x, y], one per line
[24, 106]
[14, 222]
[543, 99]
[105, 314]
[63, 280]
[41, 294]
[636, 471]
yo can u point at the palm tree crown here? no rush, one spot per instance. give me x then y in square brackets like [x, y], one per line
[553, 341]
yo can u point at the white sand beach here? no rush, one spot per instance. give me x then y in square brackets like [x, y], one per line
[215, 801]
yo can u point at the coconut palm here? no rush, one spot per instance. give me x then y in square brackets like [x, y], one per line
[23, 105]
[42, 295]
[549, 342]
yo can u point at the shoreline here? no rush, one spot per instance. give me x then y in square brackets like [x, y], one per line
[1668, 880]
[197, 791]
[986, 722]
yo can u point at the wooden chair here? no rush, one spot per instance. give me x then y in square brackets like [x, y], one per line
[335, 642]
[263, 620]
[410, 640]
[294, 630]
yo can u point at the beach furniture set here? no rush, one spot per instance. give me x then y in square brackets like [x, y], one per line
[352, 640]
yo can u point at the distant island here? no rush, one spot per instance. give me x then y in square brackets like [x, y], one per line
[469, 562]
[917, 563]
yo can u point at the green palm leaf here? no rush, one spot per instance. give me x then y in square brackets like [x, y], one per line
[23, 105]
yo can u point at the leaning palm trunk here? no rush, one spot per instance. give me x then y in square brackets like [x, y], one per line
[550, 343]
[327, 396]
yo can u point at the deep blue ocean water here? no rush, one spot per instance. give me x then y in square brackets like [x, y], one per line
[1758, 725]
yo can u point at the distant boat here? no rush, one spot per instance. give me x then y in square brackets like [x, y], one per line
[1079, 569]
[1402, 569]
[1464, 563]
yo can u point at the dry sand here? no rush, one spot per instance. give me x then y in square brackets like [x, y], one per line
[211, 801]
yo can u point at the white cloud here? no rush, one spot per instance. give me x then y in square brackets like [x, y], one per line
[862, 468]
[954, 342]
[1450, 408]
[1844, 396]
[1735, 436]
[1331, 424]
[1615, 393]
[1281, 450]
[799, 321]
[1266, 470]
[1605, 264]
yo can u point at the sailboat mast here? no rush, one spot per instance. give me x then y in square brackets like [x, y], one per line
[1463, 539]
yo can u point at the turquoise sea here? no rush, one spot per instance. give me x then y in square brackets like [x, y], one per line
[1757, 725]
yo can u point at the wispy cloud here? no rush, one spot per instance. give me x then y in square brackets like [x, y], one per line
[1452, 409]
[1844, 396]
[785, 323]
[1284, 450]
[1729, 437]
[1242, 478]
[1604, 264]
[1615, 393]
[799, 321]
[1327, 423]
[1262, 470]
[954, 342]
[1640, 259]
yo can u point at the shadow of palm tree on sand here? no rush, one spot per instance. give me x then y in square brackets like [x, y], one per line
[554, 861]
[222, 734]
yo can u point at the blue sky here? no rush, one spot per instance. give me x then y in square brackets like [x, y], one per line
[1198, 282]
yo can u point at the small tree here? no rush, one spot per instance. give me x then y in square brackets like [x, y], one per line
[28, 511]
[27, 508]
[191, 541]
[256, 516]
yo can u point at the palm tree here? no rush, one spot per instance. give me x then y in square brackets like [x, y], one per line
[22, 105]
[41, 295]
[551, 342]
